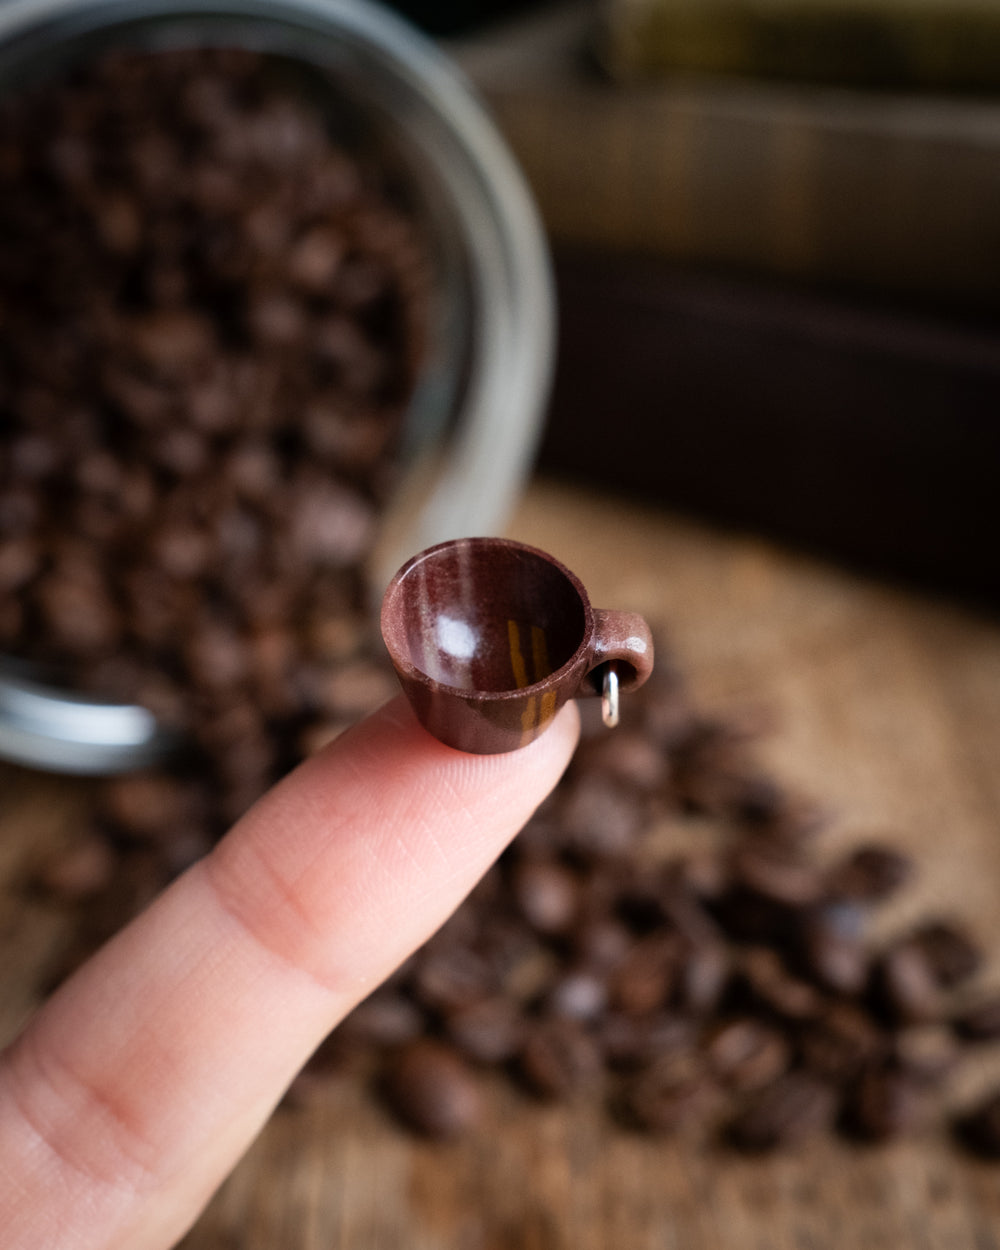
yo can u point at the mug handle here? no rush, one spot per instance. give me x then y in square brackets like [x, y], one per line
[625, 638]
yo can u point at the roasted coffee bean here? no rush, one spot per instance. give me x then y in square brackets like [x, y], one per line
[905, 984]
[783, 878]
[431, 1090]
[884, 1102]
[543, 836]
[950, 951]
[547, 894]
[682, 902]
[146, 806]
[758, 801]
[450, 977]
[782, 1114]
[708, 744]
[600, 942]
[841, 1041]
[580, 994]
[770, 986]
[215, 659]
[979, 1022]
[978, 1128]
[559, 1060]
[703, 876]
[870, 873]
[490, 1031]
[749, 919]
[713, 774]
[20, 560]
[644, 981]
[77, 872]
[670, 1094]
[703, 976]
[529, 971]
[385, 1018]
[926, 1052]
[709, 791]
[746, 1054]
[627, 1043]
[638, 900]
[601, 817]
[77, 613]
[792, 825]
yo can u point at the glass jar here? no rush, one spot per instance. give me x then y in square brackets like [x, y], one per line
[474, 418]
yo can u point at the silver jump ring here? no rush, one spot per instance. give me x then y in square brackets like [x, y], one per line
[609, 696]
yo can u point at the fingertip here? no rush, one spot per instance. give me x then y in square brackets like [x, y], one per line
[558, 740]
[394, 733]
[567, 727]
[383, 821]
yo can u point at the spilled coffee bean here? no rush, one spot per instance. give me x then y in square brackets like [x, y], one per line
[559, 1059]
[745, 1053]
[979, 1022]
[978, 1128]
[885, 1102]
[431, 1090]
[783, 1114]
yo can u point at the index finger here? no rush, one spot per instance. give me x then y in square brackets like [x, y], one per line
[138, 1085]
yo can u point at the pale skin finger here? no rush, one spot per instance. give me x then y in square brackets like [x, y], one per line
[135, 1089]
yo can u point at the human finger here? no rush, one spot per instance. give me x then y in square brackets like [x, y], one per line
[138, 1085]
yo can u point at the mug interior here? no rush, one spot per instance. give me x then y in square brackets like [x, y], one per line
[488, 617]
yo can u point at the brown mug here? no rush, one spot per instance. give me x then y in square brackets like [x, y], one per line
[489, 638]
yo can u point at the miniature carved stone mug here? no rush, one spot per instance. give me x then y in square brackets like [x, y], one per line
[490, 637]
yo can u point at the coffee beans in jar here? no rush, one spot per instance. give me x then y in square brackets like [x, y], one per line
[213, 313]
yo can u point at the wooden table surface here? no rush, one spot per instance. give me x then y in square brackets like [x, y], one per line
[889, 709]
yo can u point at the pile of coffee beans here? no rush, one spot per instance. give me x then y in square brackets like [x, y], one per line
[733, 989]
[212, 314]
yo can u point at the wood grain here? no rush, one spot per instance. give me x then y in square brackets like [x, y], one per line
[889, 710]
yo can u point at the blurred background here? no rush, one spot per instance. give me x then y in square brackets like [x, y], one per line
[777, 240]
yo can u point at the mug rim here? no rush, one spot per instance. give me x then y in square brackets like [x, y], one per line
[402, 662]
